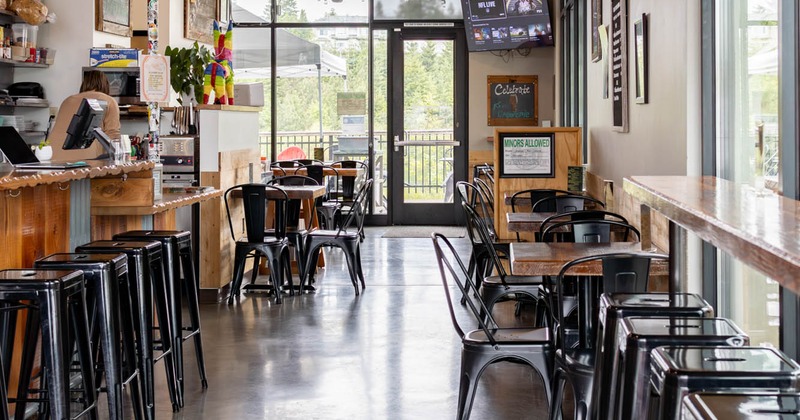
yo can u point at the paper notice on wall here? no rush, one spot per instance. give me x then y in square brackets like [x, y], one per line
[154, 79]
[603, 32]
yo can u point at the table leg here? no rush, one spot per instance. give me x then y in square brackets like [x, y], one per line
[677, 257]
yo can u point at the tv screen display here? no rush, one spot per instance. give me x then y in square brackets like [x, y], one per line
[507, 24]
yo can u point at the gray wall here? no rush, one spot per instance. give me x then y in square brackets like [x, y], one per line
[664, 135]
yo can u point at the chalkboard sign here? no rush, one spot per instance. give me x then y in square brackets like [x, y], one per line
[513, 100]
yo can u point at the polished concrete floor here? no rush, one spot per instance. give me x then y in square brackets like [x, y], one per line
[391, 353]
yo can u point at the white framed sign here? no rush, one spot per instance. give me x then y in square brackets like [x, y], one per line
[527, 155]
[154, 80]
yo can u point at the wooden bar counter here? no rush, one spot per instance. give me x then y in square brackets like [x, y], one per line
[761, 229]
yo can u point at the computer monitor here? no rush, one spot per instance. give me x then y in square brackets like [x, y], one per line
[84, 127]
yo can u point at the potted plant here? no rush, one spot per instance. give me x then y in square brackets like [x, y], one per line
[44, 151]
[187, 67]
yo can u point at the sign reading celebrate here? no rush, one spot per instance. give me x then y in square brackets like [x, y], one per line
[513, 100]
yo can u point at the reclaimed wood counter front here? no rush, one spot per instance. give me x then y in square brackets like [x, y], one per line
[760, 229]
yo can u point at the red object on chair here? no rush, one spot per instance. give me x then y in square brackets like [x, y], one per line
[291, 152]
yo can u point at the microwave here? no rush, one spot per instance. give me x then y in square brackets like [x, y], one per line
[123, 83]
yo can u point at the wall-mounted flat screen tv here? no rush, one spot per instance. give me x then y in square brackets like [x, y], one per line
[507, 24]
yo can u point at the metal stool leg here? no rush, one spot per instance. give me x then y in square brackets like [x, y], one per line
[190, 287]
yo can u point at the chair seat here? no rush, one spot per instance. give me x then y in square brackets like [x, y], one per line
[494, 281]
[267, 241]
[333, 233]
[510, 336]
[289, 231]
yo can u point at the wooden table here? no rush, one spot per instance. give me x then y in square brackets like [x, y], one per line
[547, 259]
[346, 172]
[526, 221]
[761, 230]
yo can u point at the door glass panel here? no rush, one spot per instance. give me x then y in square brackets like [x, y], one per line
[428, 106]
[747, 121]
[380, 87]
[417, 9]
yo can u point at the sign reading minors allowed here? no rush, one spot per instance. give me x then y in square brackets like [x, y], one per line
[513, 100]
[526, 155]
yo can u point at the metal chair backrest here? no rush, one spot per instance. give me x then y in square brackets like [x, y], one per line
[589, 231]
[293, 206]
[565, 203]
[307, 162]
[255, 198]
[579, 215]
[358, 211]
[622, 273]
[285, 164]
[348, 183]
[476, 226]
[487, 190]
[477, 200]
[453, 272]
[535, 195]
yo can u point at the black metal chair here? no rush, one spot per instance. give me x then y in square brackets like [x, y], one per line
[566, 203]
[679, 370]
[580, 215]
[487, 190]
[345, 190]
[530, 197]
[622, 272]
[256, 200]
[295, 234]
[56, 312]
[349, 241]
[307, 162]
[494, 288]
[586, 231]
[111, 322]
[489, 343]
[326, 209]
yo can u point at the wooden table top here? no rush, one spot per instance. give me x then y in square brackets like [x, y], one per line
[11, 178]
[350, 172]
[168, 202]
[526, 221]
[760, 229]
[546, 259]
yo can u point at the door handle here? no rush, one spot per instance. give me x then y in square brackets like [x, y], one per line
[399, 143]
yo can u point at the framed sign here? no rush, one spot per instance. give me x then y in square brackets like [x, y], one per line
[619, 64]
[113, 16]
[198, 19]
[597, 20]
[512, 100]
[527, 155]
[640, 53]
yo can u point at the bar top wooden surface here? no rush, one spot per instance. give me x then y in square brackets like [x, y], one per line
[546, 259]
[760, 229]
[12, 179]
[168, 202]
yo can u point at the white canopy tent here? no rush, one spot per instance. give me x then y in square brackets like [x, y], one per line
[294, 56]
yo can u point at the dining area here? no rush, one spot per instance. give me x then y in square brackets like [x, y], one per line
[605, 310]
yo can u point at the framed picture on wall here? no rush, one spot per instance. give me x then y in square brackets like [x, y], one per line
[512, 100]
[198, 19]
[113, 16]
[640, 53]
[597, 20]
[527, 155]
[619, 64]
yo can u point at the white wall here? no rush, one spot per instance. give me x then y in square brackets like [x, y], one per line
[664, 136]
[539, 62]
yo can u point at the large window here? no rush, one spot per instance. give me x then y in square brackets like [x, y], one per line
[747, 98]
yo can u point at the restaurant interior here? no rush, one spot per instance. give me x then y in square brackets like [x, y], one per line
[363, 209]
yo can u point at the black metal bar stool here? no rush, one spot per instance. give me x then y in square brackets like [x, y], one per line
[56, 307]
[616, 306]
[739, 406]
[146, 274]
[3, 393]
[111, 317]
[637, 336]
[176, 255]
[679, 370]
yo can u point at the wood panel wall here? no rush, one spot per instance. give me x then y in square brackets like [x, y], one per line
[569, 152]
[216, 245]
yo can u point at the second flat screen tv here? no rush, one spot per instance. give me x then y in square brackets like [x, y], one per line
[507, 24]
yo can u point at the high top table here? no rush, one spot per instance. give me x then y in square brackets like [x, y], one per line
[761, 229]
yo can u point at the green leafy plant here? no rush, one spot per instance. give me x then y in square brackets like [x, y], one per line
[43, 143]
[187, 67]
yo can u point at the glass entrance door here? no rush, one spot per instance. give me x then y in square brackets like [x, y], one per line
[427, 141]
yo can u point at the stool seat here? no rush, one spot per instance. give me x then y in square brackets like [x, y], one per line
[679, 370]
[637, 336]
[733, 406]
[616, 306]
[178, 234]
[57, 316]
[111, 316]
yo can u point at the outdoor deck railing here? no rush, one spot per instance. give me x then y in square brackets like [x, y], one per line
[427, 168]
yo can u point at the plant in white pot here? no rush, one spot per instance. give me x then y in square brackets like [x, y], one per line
[187, 67]
[44, 151]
